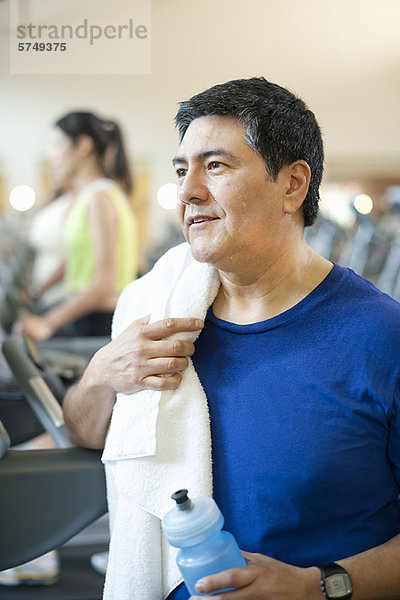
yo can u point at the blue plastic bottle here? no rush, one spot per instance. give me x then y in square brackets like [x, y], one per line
[196, 528]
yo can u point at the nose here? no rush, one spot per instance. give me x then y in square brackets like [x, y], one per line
[192, 188]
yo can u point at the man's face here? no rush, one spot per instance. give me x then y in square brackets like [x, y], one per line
[229, 209]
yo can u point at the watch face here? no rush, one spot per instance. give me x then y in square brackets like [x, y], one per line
[338, 585]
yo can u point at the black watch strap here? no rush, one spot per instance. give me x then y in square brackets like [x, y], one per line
[335, 582]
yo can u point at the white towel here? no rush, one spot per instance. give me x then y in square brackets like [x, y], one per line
[158, 442]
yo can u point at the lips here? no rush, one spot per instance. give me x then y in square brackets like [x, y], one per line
[199, 219]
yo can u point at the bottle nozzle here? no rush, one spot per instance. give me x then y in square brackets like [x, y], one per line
[183, 502]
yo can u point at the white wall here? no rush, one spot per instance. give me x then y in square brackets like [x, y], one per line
[342, 57]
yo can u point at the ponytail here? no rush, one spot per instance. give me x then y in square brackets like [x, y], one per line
[114, 161]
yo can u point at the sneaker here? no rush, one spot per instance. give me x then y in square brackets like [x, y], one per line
[9, 577]
[44, 570]
[99, 562]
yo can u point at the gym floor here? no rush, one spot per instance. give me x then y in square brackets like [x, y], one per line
[78, 580]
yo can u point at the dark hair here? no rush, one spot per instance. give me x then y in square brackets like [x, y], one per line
[107, 139]
[278, 126]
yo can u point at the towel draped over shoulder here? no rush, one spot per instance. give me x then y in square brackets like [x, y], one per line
[158, 442]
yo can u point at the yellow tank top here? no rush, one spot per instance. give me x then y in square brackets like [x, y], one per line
[80, 253]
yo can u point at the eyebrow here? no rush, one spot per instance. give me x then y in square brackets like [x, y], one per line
[178, 160]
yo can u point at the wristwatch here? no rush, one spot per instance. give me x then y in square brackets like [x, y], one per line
[335, 582]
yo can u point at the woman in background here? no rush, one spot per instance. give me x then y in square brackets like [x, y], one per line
[46, 239]
[87, 156]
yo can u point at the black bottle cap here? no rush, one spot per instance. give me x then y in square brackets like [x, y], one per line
[183, 502]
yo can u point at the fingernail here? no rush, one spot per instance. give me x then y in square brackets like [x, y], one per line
[199, 323]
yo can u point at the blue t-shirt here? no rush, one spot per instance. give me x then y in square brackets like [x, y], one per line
[305, 423]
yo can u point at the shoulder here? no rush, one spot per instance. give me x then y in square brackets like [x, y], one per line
[365, 296]
[101, 206]
[100, 190]
[371, 316]
[106, 194]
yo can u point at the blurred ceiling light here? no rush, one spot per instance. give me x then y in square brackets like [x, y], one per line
[22, 198]
[363, 204]
[335, 204]
[167, 196]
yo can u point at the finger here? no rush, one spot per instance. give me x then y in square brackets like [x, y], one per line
[244, 593]
[250, 557]
[165, 366]
[255, 558]
[139, 322]
[153, 382]
[142, 321]
[162, 329]
[170, 348]
[231, 578]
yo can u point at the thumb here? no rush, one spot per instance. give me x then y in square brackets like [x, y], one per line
[143, 320]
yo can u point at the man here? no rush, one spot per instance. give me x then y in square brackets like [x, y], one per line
[298, 358]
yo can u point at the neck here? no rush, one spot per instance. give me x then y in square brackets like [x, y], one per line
[89, 171]
[265, 289]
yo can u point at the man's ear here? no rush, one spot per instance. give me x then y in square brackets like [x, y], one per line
[298, 175]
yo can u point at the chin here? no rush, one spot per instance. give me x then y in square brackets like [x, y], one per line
[202, 257]
[201, 253]
[206, 253]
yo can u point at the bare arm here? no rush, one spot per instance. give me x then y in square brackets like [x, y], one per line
[375, 575]
[87, 408]
[132, 362]
[55, 278]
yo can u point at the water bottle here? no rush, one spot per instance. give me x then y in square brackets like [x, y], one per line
[196, 528]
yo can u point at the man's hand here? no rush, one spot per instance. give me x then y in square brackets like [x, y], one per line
[263, 578]
[142, 357]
